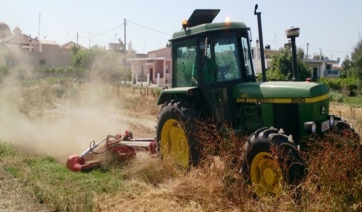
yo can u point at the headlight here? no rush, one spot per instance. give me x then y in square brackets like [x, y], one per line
[314, 127]
[310, 126]
[331, 120]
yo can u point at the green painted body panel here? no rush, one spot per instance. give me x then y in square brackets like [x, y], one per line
[209, 27]
[279, 90]
[307, 112]
[167, 93]
[308, 98]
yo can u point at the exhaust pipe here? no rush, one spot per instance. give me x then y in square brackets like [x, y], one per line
[292, 34]
[258, 14]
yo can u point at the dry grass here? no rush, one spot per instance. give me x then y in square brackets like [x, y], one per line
[352, 114]
[333, 182]
[156, 186]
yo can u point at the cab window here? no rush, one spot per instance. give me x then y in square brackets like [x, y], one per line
[185, 57]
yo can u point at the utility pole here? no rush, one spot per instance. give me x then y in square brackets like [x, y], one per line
[77, 39]
[125, 44]
[307, 50]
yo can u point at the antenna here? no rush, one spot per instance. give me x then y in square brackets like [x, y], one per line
[275, 41]
[89, 39]
[39, 26]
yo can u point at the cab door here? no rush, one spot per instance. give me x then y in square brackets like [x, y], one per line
[223, 51]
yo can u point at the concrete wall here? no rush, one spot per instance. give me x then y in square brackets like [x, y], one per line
[49, 56]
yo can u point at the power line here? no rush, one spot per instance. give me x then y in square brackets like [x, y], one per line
[102, 32]
[328, 50]
[148, 28]
[69, 40]
[96, 34]
[120, 26]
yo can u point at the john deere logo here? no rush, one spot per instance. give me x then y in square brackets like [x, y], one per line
[244, 95]
[323, 109]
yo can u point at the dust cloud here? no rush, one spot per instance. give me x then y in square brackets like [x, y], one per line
[67, 128]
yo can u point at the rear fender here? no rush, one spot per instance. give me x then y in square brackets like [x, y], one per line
[168, 94]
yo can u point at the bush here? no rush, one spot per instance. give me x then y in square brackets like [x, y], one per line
[348, 86]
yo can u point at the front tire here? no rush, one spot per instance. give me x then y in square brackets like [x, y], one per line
[174, 135]
[271, 161]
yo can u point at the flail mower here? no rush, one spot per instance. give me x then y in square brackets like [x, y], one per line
[120, 147]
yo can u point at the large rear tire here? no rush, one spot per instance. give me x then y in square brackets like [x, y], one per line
[175, 134]
[272, 161]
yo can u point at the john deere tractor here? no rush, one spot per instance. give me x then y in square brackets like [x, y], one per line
[213, 76]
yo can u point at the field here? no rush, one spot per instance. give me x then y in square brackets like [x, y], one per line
[42, 123]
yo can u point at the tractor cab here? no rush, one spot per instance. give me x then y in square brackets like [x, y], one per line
[208, 60]
[207, 54]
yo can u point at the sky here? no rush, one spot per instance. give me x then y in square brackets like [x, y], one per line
[329, 27]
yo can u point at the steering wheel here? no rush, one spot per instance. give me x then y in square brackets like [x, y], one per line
[181, 66]
[223, 71]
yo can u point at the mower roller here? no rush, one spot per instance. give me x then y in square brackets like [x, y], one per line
[119, 147]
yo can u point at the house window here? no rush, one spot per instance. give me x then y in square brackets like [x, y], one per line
[42, 62]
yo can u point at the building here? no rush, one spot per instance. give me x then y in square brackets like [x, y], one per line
[4, 30]
[255, 53]
[323, 66]
[68, 46]
[156, 67]
[18, 49]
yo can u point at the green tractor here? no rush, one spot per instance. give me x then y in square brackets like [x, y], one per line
[213, 76]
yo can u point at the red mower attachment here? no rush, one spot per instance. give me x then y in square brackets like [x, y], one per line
[120, 147]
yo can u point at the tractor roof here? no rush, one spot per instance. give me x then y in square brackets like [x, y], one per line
[201, 21]
[202, 16]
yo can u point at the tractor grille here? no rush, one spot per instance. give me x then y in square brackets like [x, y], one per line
[286, 116]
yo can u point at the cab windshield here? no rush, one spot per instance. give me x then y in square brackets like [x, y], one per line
[213, 58]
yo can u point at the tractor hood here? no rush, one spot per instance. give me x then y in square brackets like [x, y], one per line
[280, 92]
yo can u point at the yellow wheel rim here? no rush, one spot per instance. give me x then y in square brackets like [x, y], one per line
[266, 175]
[174, 144]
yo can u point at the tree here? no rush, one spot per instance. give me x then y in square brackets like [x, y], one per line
[3, 72]
[80, 58]
[98, 64]
[356, 59]
[281, 66]
[347, 70]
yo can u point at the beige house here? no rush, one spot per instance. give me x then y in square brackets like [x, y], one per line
[156, 68]
[18, 49]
